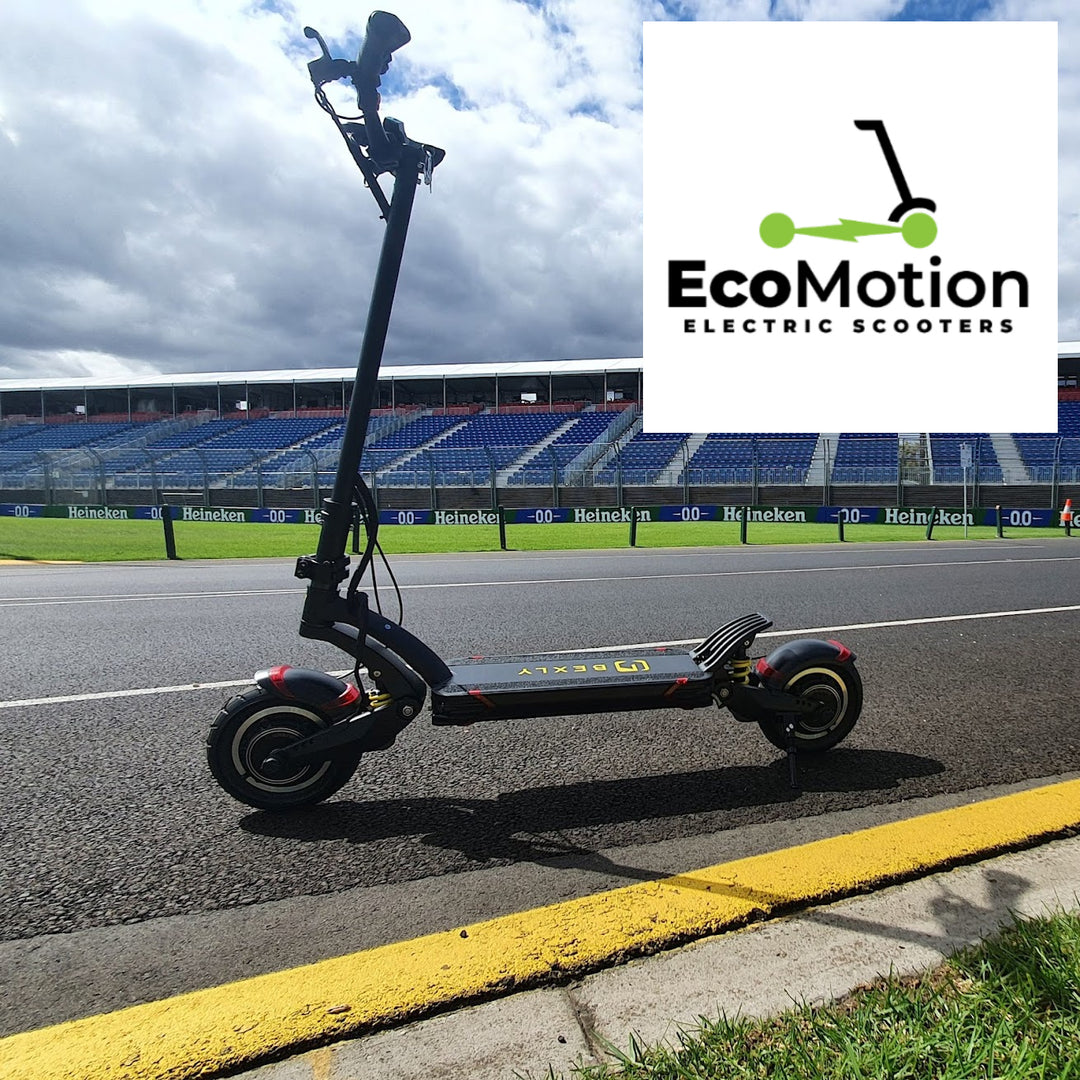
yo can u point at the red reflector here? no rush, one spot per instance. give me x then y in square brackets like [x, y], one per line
[277, 679]
[844, 654]
[478, 694]
[764, 670]
[682, 680]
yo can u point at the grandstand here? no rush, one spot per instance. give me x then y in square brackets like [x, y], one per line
[568, 432]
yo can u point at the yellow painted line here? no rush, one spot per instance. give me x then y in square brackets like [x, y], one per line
[226, 1028]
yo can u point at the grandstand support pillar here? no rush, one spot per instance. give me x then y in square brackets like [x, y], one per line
[155, 487]
[826, 493]
[47, 478]
[205, 476]
[554, 477]
[685, 463]
[1055, 476]
[755, 494]
[618, 478]
[100, 463]
[491, 463]
[433, 497]
[975, 481]
[315, 493]
[373, 487]
[259, 497]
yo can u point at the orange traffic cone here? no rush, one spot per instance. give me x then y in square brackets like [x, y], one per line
[1067, 514]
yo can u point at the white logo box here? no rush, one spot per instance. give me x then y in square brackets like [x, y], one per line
[743, 120]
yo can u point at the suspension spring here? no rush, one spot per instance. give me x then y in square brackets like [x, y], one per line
[740, 670]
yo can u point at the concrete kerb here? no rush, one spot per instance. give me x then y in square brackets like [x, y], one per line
[229, 1028]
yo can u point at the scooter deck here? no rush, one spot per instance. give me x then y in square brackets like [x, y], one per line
[567, 684]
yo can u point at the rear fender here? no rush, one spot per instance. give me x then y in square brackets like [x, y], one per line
[777, 668]
[309, 687]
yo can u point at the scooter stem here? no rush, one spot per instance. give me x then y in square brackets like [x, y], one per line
[337, 510]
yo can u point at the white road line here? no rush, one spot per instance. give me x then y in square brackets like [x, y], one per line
[190, 687]
[30, 601]
[142, 691]
[532, 582]
[858, 626]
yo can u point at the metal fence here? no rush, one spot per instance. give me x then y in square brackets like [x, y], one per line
[681, 463]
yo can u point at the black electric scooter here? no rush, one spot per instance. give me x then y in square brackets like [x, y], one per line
[297, 735]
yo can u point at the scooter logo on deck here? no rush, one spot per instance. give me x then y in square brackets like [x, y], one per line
[917, 228]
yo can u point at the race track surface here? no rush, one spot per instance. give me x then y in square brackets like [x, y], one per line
[117, 846]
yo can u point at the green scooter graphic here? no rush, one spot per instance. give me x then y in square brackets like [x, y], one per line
[918, 229]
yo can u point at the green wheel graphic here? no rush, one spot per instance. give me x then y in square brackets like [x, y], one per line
[919, 230]
[777, 230]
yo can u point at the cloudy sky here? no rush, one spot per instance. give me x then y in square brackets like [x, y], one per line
[172, 199]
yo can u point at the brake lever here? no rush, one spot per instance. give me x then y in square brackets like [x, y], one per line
[326, 69]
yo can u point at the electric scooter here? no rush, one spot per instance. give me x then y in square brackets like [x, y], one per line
[297, 735]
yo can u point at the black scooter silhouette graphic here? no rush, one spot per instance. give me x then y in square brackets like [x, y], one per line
[918, 229]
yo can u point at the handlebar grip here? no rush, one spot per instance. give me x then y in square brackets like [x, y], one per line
[385, 33]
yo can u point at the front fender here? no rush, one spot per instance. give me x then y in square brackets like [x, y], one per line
[309, 687]
[777, 668]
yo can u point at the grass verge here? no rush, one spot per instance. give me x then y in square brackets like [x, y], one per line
[1006, 1009]
[122, 541]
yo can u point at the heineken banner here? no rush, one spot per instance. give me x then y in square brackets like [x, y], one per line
[1011, 517]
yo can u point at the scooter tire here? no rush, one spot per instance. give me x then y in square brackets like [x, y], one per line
[248, 729]
[839, 688]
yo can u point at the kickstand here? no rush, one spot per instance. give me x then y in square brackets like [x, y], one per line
[793, 772]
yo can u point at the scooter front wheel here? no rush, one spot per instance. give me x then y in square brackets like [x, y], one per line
[251, 727]
[837, 690]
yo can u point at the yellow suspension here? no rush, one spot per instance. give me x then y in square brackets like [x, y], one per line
[740, 670]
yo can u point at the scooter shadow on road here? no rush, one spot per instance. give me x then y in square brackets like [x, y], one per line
[528, 825]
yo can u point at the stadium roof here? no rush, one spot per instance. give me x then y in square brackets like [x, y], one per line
[389, 371]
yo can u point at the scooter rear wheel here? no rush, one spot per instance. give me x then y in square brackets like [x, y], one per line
[838, 690]
[253, 725]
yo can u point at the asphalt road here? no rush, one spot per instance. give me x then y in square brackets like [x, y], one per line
[115, 839]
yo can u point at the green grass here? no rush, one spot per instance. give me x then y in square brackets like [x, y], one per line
[108, 541]
[1006, 1009]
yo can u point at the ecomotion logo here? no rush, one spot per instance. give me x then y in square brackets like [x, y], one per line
[909, 287]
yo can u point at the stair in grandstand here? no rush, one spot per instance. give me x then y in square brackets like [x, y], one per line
[574, 446]
[528, 453]
[819, 460]
[1013, 469]
[445, 426]
[673, 474]
[644, 457]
